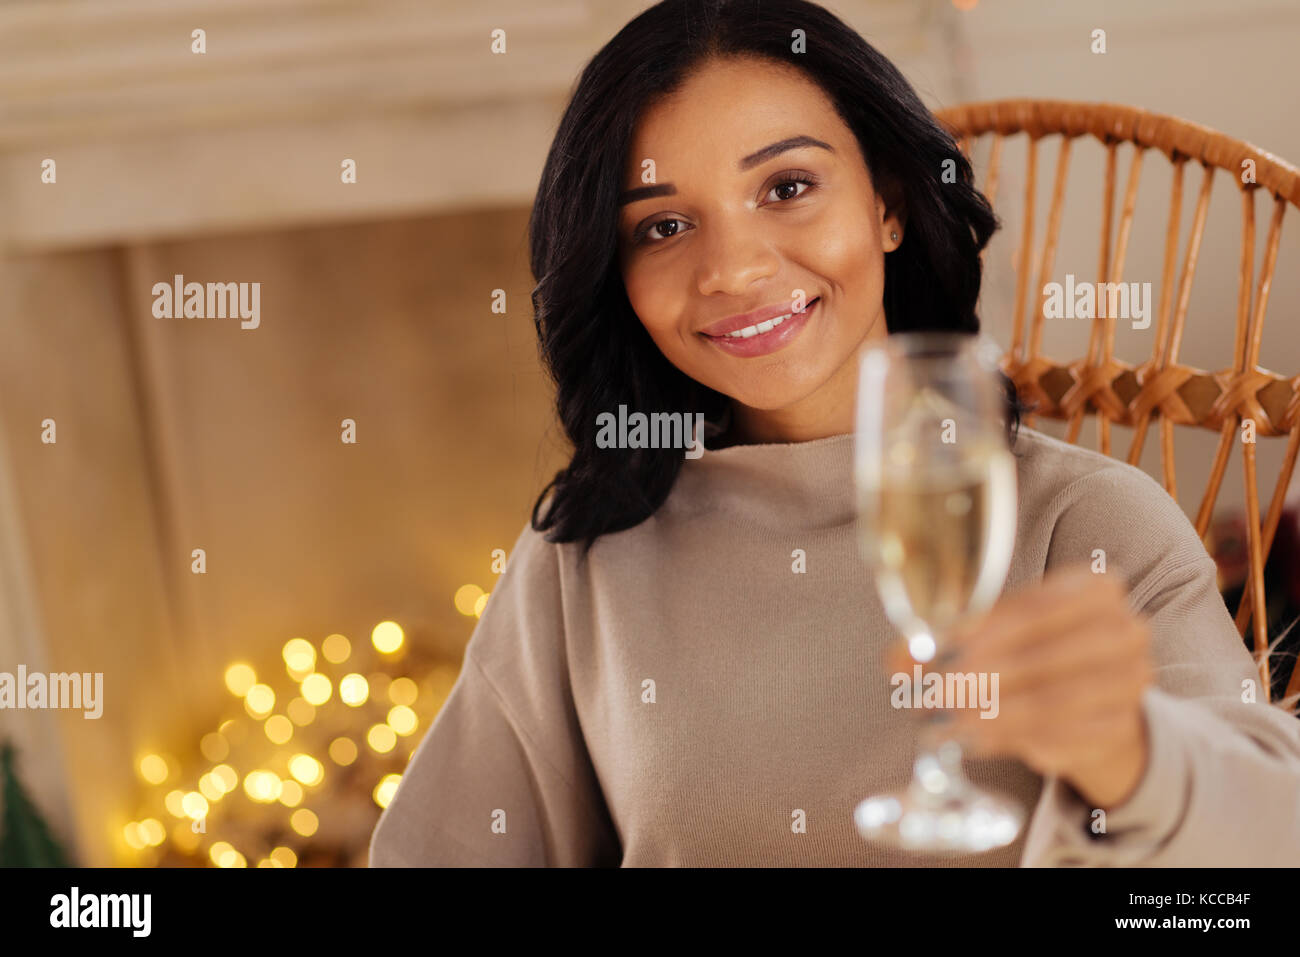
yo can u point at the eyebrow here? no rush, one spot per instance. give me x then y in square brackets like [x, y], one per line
[748, 162]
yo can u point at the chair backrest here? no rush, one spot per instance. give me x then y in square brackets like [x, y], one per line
[1239, 399]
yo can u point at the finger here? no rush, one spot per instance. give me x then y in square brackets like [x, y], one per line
[1077, 745]
[1100, 647]
[1070, 694]
[1087, 745]
[1092, 693]
[1056, 713]
[1023, 620]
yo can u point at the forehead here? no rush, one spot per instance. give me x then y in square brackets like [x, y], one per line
[728, 109]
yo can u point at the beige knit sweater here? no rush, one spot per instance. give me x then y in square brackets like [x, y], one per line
[687, 696]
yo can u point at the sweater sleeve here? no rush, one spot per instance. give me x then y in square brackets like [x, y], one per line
[503, 777]
[1222, 781]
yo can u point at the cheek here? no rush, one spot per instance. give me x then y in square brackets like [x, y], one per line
[655, 300]
[847, 252]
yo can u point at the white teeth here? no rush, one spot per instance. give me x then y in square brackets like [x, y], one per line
[767, 325]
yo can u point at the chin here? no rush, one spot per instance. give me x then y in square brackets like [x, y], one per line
[774, 400]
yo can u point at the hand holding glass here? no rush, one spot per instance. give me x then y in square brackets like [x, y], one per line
[936, 485]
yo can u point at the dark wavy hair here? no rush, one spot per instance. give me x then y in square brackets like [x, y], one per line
[592, 343]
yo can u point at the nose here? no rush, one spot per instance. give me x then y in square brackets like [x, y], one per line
[732, 258]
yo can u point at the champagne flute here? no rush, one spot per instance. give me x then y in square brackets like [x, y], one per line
[936, 484]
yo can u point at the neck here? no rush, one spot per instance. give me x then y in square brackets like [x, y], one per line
[751, 426]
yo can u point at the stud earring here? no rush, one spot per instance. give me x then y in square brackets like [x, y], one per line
[894, 236]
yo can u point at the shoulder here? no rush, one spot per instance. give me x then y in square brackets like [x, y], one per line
[1087, 501]
[1057, 475]
[531, 560]
[524, 606]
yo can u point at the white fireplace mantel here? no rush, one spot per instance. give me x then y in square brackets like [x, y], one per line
[152, 140]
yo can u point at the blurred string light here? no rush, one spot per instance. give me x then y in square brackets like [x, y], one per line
[263, 783]
[153, 768]
[316, 689]
[353, 690]
[387, 637]
[239, 678]
[336, 649]
[470, 600]
[259, 700]
[214, 747]
[278, 728]
[299, 657]
[343, 751]
[467, 597]
[386, 788]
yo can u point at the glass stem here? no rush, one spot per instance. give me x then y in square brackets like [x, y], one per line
[937, 771]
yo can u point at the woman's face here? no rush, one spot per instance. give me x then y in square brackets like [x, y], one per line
[730, 229]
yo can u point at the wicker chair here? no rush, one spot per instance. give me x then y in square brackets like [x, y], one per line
[1160, 386]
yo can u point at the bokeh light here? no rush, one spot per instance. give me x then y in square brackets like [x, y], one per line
[153, 832]
[307, 769]
[381, 738]
[466, 597]
[316, 689]
[285, 857]
[343, 751]
[402, 719]
[214, 746]
[387, 637]
[262, 786]
[403, 691]
[239, 678]
[336, 649]
[299, 657]
[278, 728]
[304, 822]
[131, 834]
[386, 788]
[211, 788]
[280, 741]
[227, 776]
[259, 701]
[354, 689]
[153, 768]
[290, 793]
[195, 805]
[301, 711]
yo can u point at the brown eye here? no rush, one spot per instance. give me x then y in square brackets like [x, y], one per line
[786, 185]
[651, 233]
[659, 234]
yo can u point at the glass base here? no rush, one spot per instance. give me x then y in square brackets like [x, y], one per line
[940, 811]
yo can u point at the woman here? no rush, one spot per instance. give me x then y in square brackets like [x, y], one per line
[690, 667]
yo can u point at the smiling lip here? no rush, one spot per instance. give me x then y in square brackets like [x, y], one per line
[762, 343]
[736, 323]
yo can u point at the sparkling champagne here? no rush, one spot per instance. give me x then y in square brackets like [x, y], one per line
[941, 541]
